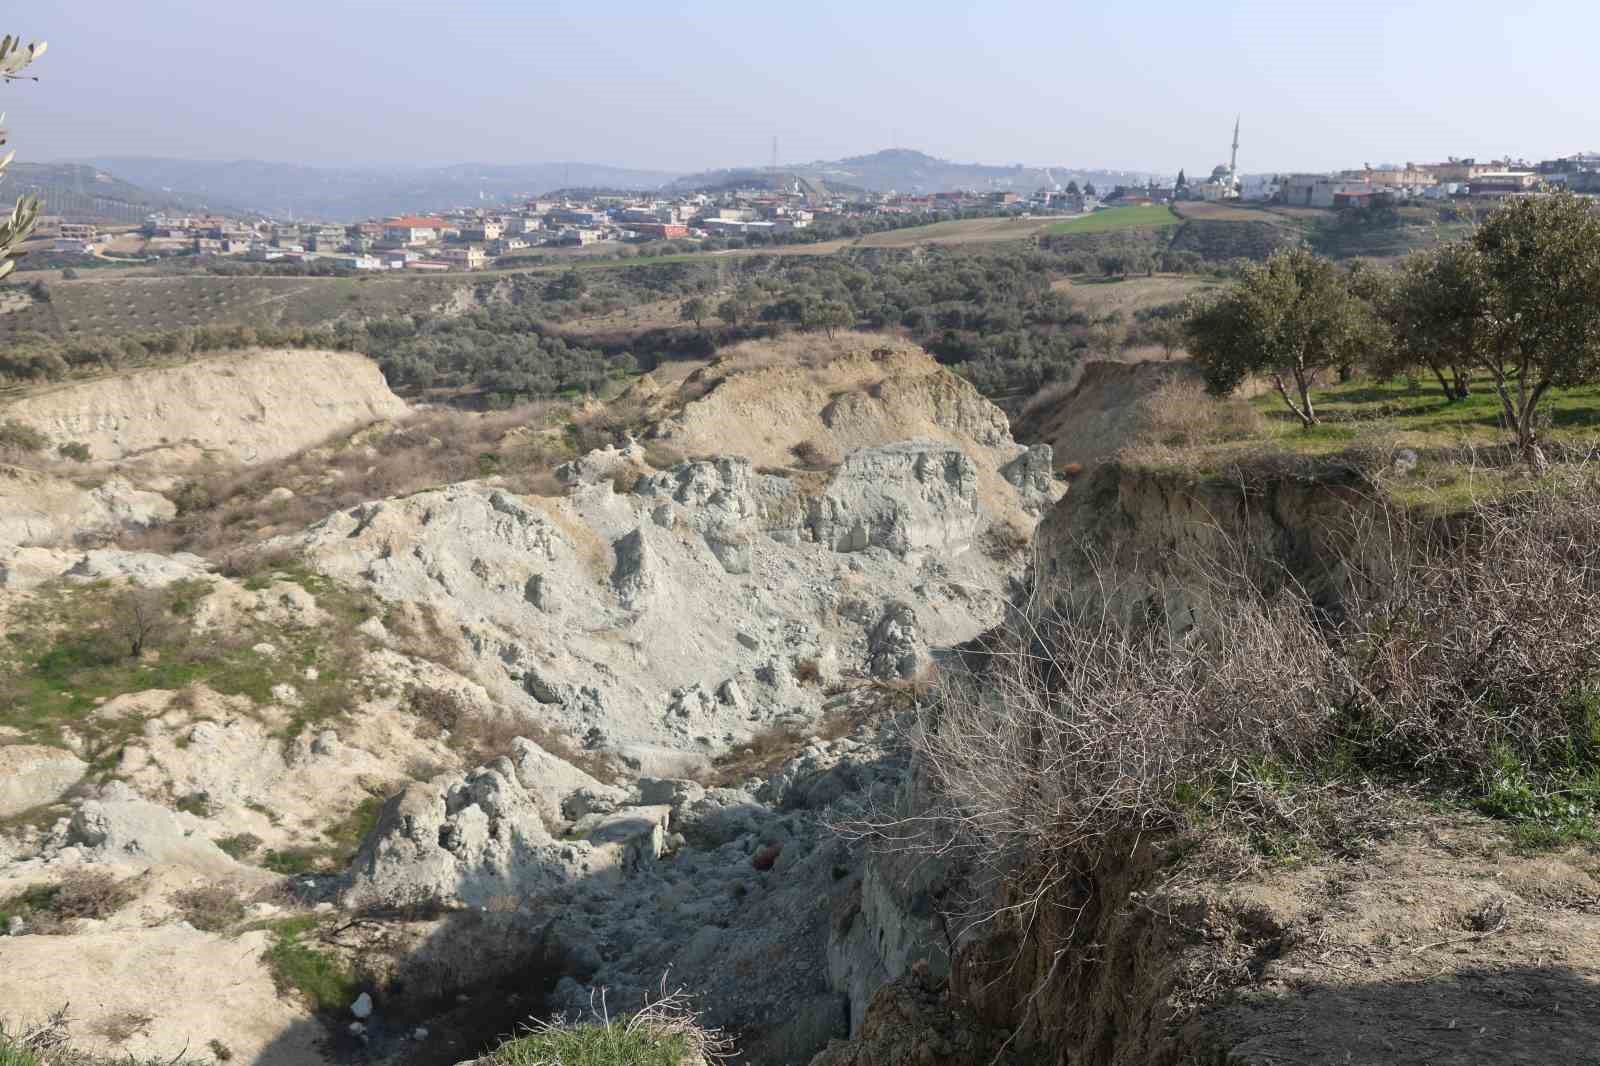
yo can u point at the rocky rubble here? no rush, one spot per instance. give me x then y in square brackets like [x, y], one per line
[701, 606]
[645, 622]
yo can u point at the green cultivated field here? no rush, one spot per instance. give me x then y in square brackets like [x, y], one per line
[1143, 217]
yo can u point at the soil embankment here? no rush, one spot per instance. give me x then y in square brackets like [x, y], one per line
[247, 407]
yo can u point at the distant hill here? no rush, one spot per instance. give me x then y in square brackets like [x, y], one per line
[342, 194]
[909, 171]
[79, 192]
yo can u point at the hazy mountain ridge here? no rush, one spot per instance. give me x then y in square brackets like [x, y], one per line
[78, 190]
[349, 193]
[911, 171]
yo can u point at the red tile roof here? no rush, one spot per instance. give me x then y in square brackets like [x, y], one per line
[416, 222]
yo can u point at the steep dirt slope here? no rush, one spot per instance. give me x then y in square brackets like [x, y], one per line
[246, 407]
[1098, 415]
[1439, 946]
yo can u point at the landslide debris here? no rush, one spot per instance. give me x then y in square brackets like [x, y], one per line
[566, 742]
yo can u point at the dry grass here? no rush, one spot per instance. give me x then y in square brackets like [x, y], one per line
[121, 1026]
[810, 351]
[82, 892]
[223, 511]
[664, 1032]
[480, 736]
[1459, 655]
[211, 908]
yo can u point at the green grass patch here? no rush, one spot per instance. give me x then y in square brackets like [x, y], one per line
[299, 965]
[1145, 216]
[1420, 409]
[594, 1045]
[70, 649]
[341, 840]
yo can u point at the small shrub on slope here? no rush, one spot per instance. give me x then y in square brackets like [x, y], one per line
[664, 1033]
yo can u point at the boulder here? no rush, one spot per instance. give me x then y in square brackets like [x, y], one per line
[634, 575]
[905, 497]
[119, 826]
[1033, 475]
[552, 781]
[894, 647]
[460, 840]
[32, 775]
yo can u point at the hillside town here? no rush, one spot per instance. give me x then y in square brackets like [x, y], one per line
[476, 238]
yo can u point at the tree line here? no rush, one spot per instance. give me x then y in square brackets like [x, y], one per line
[1515, 306]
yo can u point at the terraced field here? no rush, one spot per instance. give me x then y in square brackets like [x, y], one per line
[105, 305]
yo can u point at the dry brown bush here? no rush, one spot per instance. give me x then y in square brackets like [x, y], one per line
[479, 736]
[85, 893]
[210, 908]
[1180, 413]
[1452, 648]
[1006, 540]
[222, 511]
[814, 455]
[121, 1026]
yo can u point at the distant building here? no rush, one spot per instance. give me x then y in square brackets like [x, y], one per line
[325, 238]
[1503, 183]
[1584, 181]
[471, 257]
[358, 262]
[659, 230]
[1410, 176]
[487, 230]
[413, 229]
[1458, 170]
[1319, 190]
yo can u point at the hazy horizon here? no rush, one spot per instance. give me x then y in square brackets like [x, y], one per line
[363, 83]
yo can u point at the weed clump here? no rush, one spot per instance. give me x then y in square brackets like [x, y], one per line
[665, 1033]
[54, 909]
[210, 908]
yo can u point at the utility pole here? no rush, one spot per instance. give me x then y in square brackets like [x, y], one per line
[774, 152]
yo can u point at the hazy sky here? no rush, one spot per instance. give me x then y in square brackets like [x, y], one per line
[686, 84]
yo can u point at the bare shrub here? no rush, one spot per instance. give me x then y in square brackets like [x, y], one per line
[1480, 636]
[80, 893]
[814, 455]
[1452, 650]
[85, 893]
[210, 908]
[1180, 413]
[121, 1026]
[439, 709]
[1005, 540]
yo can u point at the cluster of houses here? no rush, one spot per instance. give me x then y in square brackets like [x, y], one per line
[471, 239]
[1452, 179]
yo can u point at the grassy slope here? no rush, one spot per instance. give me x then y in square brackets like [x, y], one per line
[1115, 218]
[1462, 452]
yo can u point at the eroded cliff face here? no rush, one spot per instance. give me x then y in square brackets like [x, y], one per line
[641, 622]
[243, 407]
[1144, 539]
[1417, 937]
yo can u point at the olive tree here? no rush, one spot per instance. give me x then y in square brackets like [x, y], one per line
[1434, 318]
[15, 57]
[1292, 318]
[694, 309]
[827, 315]
[1534, 293]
